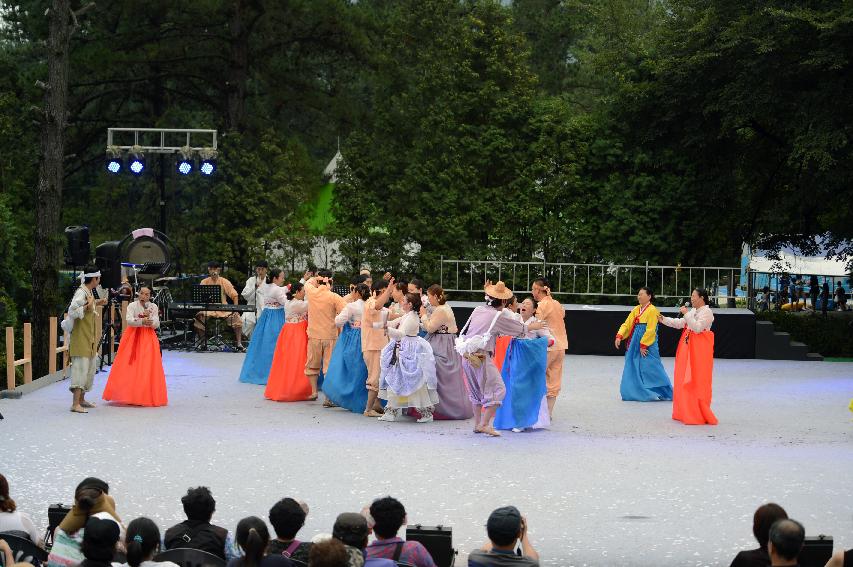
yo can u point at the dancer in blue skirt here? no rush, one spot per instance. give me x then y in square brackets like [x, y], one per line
[643, 378]
[256, 365]
[525, 405]
[344, 382]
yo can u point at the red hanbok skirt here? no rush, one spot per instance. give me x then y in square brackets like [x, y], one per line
[691, 385]
[287, 381]
[136, 377]
[501, 344]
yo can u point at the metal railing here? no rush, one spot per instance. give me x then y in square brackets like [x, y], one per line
[600, 280]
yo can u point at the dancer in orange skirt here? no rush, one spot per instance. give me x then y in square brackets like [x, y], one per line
[136, 377]
[694, 362]
[287, 381]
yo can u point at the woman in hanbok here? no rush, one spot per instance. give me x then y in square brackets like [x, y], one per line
[136, 377]
[441, 329]
[694, 362]
[344, 383]
[525, 405]
[407, 378]
[476, 344]
[287, 381]
[398, 291]
[258, 361]
[643, 377]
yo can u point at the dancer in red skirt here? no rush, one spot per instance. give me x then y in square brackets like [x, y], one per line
[136, 377]
[287, 381]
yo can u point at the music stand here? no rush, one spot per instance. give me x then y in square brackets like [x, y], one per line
[207, 295]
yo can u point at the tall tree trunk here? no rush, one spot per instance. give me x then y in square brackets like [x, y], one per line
[48, 242]
[238, 69]
[244, 16]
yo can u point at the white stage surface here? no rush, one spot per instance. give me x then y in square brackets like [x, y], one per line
[611, 483]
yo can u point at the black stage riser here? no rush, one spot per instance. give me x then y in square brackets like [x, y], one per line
[592, 329]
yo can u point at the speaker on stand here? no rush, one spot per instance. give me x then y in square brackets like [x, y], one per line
[108, 260]
[77, 249]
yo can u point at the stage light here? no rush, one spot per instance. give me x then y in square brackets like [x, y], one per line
[114, 165]
[137, 165]
[207, 167]
[184, 166]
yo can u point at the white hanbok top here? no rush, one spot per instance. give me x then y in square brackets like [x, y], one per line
[351, 313]
[275, 296]
[697, 320]
[77, 309]
[136, 311]
[406, 326]
[254, 293]
[295, 310]
[543, 332]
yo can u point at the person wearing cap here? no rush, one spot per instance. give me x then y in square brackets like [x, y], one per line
[91, 500]
[505, 527]
[253, 293]
[100, 537]
[84, 339]
[351, 529]
[476, 344]
[551, 312]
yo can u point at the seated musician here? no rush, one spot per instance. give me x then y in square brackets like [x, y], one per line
[228, 290]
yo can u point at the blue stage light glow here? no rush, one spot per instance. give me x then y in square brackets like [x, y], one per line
[207, 167]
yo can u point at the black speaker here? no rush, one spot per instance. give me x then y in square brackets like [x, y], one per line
[109, 263]
[77, 250]
[817, 550]
[437, 540]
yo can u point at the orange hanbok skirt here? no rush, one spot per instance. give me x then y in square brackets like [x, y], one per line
[694, 366]
[287, 381]
[136, 377]
[501, 345]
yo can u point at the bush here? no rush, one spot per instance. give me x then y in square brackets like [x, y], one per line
[830, 336]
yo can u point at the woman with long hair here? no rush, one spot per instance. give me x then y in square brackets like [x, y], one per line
[694, 362]
[13, 520]
[287, 381]
[253, 537]
[142, 543]
[258, 361]
[643, 377]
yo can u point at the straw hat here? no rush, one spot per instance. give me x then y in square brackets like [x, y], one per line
[498, 291]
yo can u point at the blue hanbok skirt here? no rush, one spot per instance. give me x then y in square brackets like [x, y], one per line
[258, 361]
[523, 374]
[643, 378]
[345, 382]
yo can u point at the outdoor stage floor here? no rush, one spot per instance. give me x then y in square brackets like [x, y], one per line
[611, 483]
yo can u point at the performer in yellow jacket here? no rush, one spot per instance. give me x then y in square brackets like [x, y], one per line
[643, 378]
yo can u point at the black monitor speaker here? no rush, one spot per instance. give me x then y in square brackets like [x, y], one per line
[109, 263]
[817, 550]
[77, 245]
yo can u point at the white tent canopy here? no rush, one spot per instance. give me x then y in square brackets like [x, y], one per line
[796, 264]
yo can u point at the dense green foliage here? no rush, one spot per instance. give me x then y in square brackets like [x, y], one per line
[573, 130]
